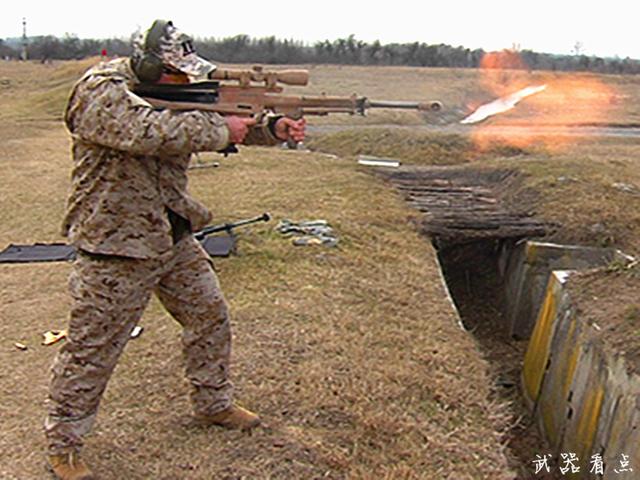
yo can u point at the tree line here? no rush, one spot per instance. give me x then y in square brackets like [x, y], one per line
[347, 51]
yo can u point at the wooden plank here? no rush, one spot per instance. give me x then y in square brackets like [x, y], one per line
[466, 204]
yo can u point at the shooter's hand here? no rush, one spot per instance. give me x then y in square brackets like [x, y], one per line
[288, 129]
[239, 127]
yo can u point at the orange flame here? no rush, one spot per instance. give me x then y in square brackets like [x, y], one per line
[504, 72]
[548, 118]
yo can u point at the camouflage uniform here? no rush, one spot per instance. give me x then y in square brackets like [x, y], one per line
[129, 215]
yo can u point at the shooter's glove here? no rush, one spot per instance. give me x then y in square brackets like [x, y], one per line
[264, 131]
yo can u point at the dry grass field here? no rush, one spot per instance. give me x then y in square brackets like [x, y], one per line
[353, 356]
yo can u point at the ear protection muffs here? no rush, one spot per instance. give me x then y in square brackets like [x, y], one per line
[149, 66]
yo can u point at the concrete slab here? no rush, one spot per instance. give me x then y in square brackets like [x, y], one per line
[526, 267]
[537, 357]
[584, 399]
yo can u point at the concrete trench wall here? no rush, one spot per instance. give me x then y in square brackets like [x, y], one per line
[525, 268]
[582, 397]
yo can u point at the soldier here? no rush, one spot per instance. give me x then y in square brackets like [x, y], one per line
[130, 217]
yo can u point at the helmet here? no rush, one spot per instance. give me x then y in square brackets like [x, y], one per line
[162, 46]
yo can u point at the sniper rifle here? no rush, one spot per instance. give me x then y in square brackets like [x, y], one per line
[252, 93]
[200, 235]
[54, 252]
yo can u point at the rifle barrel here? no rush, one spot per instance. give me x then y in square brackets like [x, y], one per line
[433, 106]
[201, 234]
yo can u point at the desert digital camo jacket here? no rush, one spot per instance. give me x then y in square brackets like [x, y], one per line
[130, 164]
[130, 169]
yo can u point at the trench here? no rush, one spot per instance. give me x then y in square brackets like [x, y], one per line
[471, 272]
[567, 391]
[474, 232]
[563, 390]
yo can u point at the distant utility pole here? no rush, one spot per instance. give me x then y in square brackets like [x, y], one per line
[578, 48]
[24, 55]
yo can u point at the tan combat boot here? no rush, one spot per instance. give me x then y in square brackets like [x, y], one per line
[69, 466]
[233, 418]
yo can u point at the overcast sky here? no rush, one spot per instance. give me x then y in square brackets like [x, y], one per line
[603, 28]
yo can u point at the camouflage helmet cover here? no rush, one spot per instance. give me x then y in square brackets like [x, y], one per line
[173, 47]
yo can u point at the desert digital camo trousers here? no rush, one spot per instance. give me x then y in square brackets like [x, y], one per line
[109, 295]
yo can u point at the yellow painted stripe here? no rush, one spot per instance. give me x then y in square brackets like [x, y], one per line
[573, 346]
[535, 360]
[588, 421]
